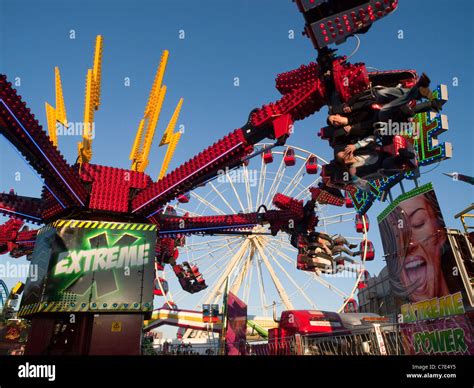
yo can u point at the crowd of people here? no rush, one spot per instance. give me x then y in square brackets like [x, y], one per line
[357, 132]
[320, 251]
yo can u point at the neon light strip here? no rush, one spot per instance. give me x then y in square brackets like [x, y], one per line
[410, 194]
[152, 214]
[21, 214]
[38, 176]
[41, 151]
[199, 229]
[187, 177]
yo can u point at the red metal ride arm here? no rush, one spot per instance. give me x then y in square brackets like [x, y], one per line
[21, 128]
[25, 208]
[25, 242]
[15, 241]
[207, 224]
[289, 209]
[227, 152]
[8, 234]
[272, 121]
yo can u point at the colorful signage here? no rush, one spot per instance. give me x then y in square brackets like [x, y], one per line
[433, 308]
[91, 266]
[236, 329]
[444, 336]
[424, 279]
[421, 266]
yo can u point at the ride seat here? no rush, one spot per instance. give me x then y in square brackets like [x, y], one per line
[398, 143]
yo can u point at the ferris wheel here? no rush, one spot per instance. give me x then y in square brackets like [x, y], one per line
[256, 266]
[3, 294]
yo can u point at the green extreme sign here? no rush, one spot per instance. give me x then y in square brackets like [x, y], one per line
[437, 326]
[91, 266]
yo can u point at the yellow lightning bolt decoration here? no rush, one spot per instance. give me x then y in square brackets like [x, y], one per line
[18, 288]
[58, 114]
[171, 139]
[92, 103]
[146, 129]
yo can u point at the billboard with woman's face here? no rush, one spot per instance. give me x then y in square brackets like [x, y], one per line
[419, 258]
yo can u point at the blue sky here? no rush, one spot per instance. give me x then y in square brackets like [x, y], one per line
[223, 39]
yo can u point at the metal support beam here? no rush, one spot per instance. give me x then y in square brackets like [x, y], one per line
[281, 291]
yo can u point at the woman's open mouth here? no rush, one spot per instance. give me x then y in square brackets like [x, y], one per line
[415, 269]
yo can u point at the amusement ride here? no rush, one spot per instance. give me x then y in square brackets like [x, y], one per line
[211, 233]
